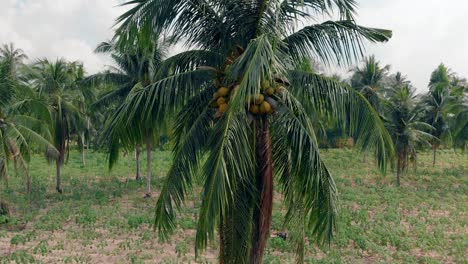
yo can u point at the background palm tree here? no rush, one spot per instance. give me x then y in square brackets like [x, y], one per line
[369, 78]
[56, 102]
[402, 121]
[19, 134]
[438, 105]
[459, 122]
[135, 66]
[12, 57]
[138, 68]
[247, 51]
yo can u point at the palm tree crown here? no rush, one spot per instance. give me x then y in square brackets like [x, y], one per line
[369, 78]
[12, 56]
[244, 113]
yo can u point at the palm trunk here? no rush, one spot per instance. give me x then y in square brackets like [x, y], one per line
[83, 154]
[137, 161]
[58, 165]
[88, 127]
[434, 150]
[415, 162]
[148, 166]
[28, 181]
[399, 165]
[86, 142]
[262, 213]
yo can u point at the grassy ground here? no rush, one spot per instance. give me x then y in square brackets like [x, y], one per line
[103, 218]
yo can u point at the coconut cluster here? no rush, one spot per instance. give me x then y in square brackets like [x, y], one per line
[262, 103]
[220, 100]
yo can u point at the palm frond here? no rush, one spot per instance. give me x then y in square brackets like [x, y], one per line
[331, 41]
[192, 130]
[337, 99]
[309, 182]
[166, 95]
[229, 166]
[189, 61]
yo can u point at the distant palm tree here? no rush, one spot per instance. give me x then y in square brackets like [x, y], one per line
[459, 88]
[243, 114]
[14, 57]
[438, 105]
[401, 116]
[19, 134]
[56, 101]
[368, 79]
[137, 67]
[459, 126]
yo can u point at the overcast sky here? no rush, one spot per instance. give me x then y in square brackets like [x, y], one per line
[426, 32]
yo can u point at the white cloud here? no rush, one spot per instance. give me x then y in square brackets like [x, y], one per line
[426, 32]
[65, 28]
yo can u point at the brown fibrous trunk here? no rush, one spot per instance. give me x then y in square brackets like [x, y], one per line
[137, 161]
[148, 166]
[263, 213]
[58, 165]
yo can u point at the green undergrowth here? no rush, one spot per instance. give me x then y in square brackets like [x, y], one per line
[103, 215]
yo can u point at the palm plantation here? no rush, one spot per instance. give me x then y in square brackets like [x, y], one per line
[247, 106]
[244, 107]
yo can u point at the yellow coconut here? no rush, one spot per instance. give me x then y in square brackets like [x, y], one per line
[270, 91]
[258, 98]
[254, 109]
[222, 108]
[215, 95]
[265, 107]
[221, 101]
[223, 91]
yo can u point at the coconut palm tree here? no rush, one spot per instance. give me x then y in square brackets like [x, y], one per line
[459, 127]
[122, 78]
[87, 96]
[401, 119]
[459, 122]
[56, 101]
[127, 127]
[438, 105]
[14, 57]
[368, 79]
[245, 114]
[459, 88]
[19, 134]
[137, 67]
